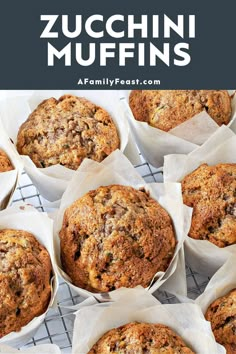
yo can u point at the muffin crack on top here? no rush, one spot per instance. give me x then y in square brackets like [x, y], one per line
[115, 236]
[166, 109]
[25, 275]
[139, 338]
[222, 315]
[66, 131]
[211, 191]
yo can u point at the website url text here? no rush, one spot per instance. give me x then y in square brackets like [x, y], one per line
[116, 82]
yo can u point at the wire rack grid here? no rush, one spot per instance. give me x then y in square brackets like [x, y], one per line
[57, 327]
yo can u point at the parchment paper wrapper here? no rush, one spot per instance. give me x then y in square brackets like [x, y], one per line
[131, 305]
[25, 217]
[38, 349]
[221, 283]
[9, 179]
[201, 255]
[52, 181]
[116, 169]
[154, 143]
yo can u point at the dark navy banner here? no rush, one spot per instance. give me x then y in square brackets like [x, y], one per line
[117, 45]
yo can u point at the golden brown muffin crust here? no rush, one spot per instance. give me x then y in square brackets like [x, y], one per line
[67, 130]
[211, 191]
[25, 272]
[140, 338]
[115, 236]
[165, 109]
[222, 315]
[5, 163]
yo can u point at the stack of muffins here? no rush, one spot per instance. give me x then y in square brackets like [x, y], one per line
[117, 236]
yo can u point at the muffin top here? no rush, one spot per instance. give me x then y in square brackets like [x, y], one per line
[140, 338]
[25, 272]
[211, 191]
[115, 236]
[66, 131]
[5, 163]
[165, 109]
[222, 315]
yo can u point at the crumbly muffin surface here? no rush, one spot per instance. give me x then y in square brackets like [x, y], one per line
[115, 236]
[140, 338]
[211, 191]
[65, 131]
[222, 315]
[5, 163]
[165, 109]
[25, 273]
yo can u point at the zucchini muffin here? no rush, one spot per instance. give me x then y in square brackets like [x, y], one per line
[115, 236]
[166, 109]
[5, 163]
[141, 338]
[211, 192]
[25, 274]
[66, 131]
[222, 315]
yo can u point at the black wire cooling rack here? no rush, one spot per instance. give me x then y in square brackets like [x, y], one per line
[57, 327]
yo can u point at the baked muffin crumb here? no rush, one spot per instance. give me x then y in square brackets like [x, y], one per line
[115, 236]
[211, 192]
[140, 338]
[67, 130]
[222, 315]
[5, 163]
[166, 109]
[25, 274]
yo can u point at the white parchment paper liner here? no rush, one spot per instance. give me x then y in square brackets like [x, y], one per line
[116, 169]
[131, 305]
[201, 255]
[9, 179]
[154, 143]
[223, 281]
[52, 181]
[38, 349]
[24, 217]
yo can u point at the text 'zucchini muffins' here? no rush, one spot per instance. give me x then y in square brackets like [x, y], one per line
[140, 338]
[115, 236]
[222, 315]
[25, 274]
[66, 131]
[211, 191]
[165, 109]
[5, 163]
